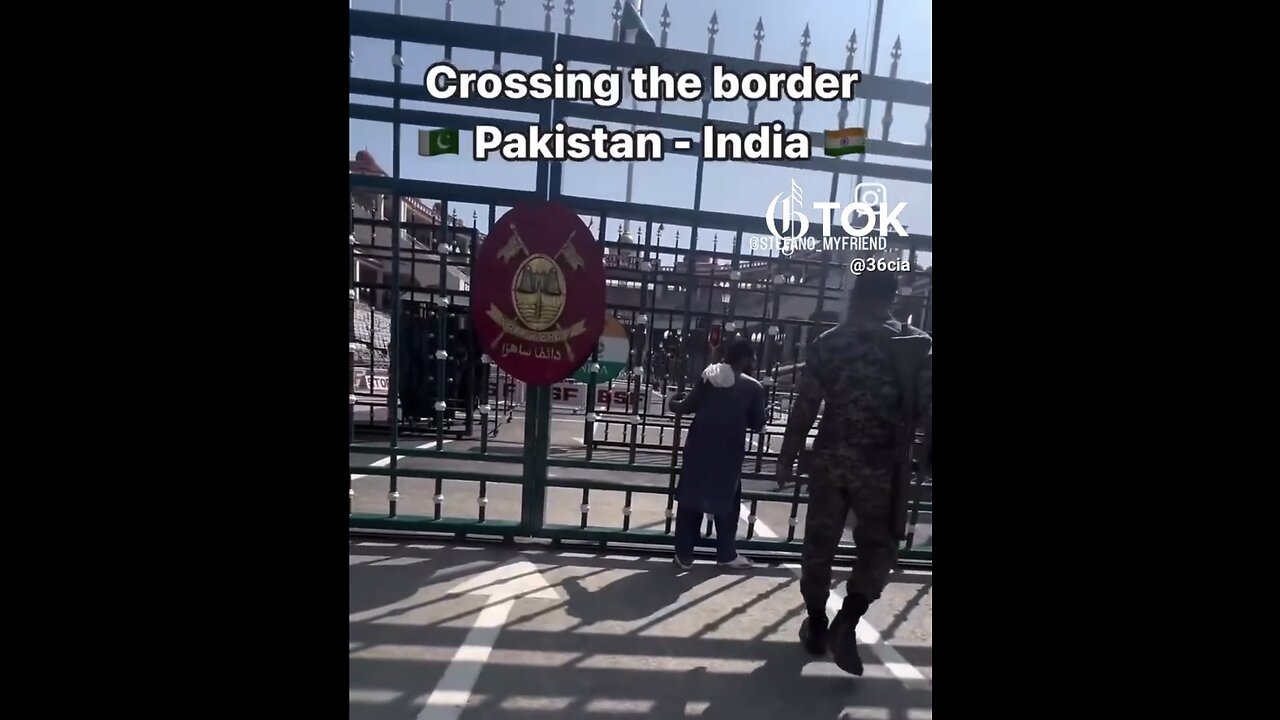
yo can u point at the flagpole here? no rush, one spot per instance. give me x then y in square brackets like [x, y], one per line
[631, 164]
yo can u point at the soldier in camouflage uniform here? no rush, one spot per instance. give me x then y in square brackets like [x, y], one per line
[852, 464]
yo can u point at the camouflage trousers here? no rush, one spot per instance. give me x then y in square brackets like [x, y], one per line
[840, 484]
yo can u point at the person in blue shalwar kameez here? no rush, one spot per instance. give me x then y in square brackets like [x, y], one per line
[727, 402]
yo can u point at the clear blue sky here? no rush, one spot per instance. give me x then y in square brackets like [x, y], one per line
[727, 187]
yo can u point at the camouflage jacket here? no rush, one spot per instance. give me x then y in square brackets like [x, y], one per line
[849, 367]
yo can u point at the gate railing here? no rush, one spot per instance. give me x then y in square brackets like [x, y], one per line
[777, 302]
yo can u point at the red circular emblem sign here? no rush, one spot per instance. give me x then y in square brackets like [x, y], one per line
[538, 293]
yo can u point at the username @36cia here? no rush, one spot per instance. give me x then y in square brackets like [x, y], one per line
[860, 265]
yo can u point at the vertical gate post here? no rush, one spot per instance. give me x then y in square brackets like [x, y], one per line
[537, 437]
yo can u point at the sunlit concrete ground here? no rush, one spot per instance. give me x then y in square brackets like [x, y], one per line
[596, 635]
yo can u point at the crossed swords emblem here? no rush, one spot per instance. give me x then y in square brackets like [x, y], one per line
[516, 247]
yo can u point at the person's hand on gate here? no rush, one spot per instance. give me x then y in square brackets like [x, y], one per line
[683, 403]
[784, 474]
[674, 401]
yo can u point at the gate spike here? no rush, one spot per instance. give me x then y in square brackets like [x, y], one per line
[896, 54]
[664, 22]
[759, 36]
[712, 29]
[851, 49]
[497, 21]
[548, 6]
[568, 17]
[798, 108]
[448, 9]
[617, 20]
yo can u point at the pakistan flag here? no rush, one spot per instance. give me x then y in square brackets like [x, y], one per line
[438, 142]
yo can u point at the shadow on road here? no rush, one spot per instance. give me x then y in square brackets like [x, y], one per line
[373, 585]
[632, 597]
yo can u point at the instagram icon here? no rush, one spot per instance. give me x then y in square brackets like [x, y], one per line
[872, 194]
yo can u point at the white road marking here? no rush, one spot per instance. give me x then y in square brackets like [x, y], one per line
[610, 706]
[445, 703]
[542, 703]
[580, 420]
[371, 696]
[867, 635]
[383, 462]
[865, 713]
[399, 561]
[517, 579]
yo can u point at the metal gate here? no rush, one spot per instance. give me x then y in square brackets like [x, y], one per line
[442, 439]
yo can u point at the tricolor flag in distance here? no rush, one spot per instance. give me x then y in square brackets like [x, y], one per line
[634, 31]
[843, 142]
[438, 142]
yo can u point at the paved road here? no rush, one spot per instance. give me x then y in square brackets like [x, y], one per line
[592, 636]
[502, 460]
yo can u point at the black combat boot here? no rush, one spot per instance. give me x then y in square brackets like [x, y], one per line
[844, 638]
[813, 634]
